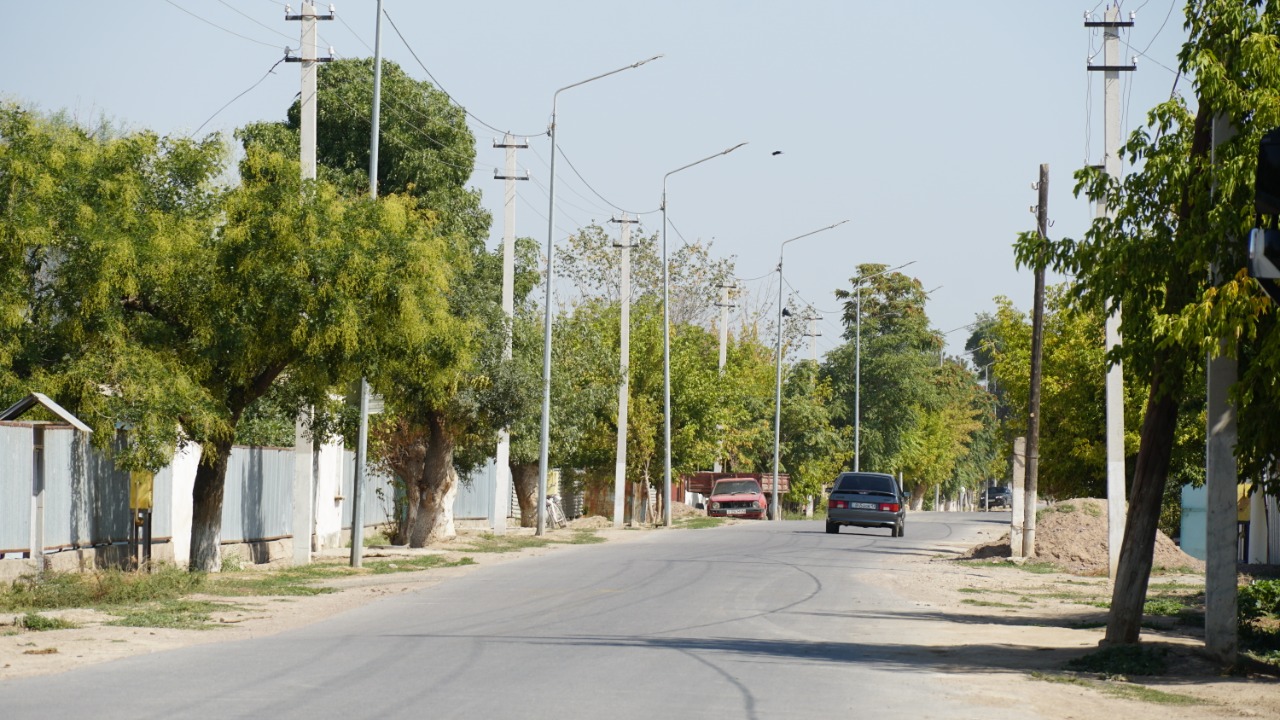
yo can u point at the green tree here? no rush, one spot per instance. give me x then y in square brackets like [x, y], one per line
[169, 304]
[1073, 460]
[1181, 214]
[448, 389]
[814, 449]
[898, 358]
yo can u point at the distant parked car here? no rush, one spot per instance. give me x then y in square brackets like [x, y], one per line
[737, 497]
[864, 499]
[995, 497]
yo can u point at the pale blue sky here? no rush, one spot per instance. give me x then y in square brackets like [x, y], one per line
[923, 122]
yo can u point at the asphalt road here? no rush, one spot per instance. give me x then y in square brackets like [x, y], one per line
[757, 620]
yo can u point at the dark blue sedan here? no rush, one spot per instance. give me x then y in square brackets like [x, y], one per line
[864, 499]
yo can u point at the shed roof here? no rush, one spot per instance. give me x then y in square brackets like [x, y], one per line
[16, 410]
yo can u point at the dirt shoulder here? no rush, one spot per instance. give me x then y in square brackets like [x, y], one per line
[1011, 631]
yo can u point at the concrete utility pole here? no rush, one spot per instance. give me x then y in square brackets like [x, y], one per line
[1037, 353]
[308, 56]
[813, 334]
[725, 305]
[1016, 503]
[1221, 481]
[303, 441]
[624, 367]
[362, 442]
[1116, 481]
[502, 458]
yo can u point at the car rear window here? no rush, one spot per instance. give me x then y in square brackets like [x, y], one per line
[866, 483]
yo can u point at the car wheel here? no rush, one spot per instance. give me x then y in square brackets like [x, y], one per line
[832, 528]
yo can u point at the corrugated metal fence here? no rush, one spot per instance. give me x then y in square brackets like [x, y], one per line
[15, 487]
[258, 499]
[378, 501]
[86, 500]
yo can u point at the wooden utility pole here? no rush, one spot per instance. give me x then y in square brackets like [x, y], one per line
[1037, 352]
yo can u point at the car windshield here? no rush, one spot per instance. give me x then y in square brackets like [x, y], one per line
[871, 484]
[735, 487]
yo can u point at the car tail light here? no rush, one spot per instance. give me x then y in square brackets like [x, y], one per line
[836, 504]
[888, 507]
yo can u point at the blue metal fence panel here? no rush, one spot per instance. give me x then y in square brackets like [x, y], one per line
[86, 497]
[378, 501]
[475, 493]
[15, 488]
[257, 503]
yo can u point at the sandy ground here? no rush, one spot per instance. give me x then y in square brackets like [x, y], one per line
[1000, 634]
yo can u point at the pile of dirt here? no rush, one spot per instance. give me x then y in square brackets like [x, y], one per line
[681, 510]
[1073, 535]
[591, 522]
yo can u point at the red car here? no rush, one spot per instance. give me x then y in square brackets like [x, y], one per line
[737, 497]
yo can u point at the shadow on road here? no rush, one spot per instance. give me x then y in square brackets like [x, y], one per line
[886, 656]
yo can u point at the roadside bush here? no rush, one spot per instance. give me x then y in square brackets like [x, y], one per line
[1259, 599]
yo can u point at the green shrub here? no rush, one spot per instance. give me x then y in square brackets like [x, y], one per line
[39, 623]
[1162, 606]
[1261, 598]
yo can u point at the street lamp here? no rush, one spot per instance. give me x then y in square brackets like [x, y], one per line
[777, 396]
[857, 367]
[666, 343]
[544, 443]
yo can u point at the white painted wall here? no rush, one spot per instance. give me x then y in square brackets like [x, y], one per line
[184, 481]
[328, 500]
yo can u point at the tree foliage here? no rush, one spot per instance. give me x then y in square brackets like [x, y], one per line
[167, 304]
[1173, 258]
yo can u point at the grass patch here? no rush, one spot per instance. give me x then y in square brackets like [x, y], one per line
[1166, 607]
[490, 543]
[699, 522]
[1063, 595]
[40, 623]
[378, 538]
[1171, 586]
[1038, 567]
[413, 564]
[987, 603]
[295, 580]
[106, 588]
[1122, 660]
[1126, 691]
[582, 537]
[1093, 510]
[178, 614]
[1175, 570]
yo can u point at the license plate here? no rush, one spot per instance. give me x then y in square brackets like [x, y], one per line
[736, 511]
[863, 506]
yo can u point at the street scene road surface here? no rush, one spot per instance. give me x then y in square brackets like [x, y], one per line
[753, 620]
